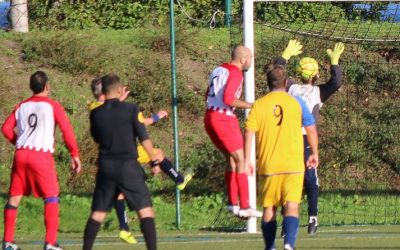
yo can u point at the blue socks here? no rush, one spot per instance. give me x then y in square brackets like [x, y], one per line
[269, 232]
[291, 227]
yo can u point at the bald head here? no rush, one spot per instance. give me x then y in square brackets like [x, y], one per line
[241, 57]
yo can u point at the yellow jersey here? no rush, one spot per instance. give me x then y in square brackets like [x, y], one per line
[277, 119]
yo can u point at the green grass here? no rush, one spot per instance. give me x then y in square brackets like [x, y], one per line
[359, 237]
[204, 213]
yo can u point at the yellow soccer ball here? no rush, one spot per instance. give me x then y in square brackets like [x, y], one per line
[307, 68]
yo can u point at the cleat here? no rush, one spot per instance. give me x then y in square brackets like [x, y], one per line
[188, 177]
[127, 237]
[249, 212]
[234, 210]
[312, 225]
[288, 247]
[52, 247]
[10, 246]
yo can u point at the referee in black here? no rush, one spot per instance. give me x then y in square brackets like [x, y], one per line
[115, 125]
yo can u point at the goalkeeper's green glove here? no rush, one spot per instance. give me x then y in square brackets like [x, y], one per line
[335, 54]
[293, 48]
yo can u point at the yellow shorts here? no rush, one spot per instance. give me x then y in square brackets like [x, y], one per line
[143, 157]
[276, 190]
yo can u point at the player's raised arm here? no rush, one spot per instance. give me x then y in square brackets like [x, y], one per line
[294, 48]
[155, 117]
[336, 79]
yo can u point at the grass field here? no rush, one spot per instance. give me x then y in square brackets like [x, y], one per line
[343, 237]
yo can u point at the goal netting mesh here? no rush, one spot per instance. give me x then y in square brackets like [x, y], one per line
[359, 126]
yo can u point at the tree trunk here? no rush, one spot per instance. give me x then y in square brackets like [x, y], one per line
[19, 15]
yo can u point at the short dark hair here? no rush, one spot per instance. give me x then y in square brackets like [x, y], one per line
[38, 82]
[109, 82]
[276, 76]
[96, 87]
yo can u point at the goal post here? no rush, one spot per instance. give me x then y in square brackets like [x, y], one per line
[248, 26]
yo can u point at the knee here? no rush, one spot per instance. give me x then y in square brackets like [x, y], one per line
[98, 216]
[292, 209]
[14, 201]
[147, 212]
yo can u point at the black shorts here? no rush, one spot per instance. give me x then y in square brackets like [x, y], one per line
[120, 176]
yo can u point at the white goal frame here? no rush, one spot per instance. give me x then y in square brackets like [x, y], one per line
[249, 84]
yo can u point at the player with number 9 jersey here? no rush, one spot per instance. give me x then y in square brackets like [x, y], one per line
[31, 127]
[277, 118]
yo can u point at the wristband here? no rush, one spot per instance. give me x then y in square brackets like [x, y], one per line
[154, 163]
[155, 117]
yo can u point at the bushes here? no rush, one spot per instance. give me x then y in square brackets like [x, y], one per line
[124, 14]
[358, 124]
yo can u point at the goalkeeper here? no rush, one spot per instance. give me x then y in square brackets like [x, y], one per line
[143, 158]
[314, 96]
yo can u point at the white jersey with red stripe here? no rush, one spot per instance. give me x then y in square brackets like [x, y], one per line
[35, 120]
[225, 85]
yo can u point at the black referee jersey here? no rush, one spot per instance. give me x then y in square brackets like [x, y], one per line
[115, 125]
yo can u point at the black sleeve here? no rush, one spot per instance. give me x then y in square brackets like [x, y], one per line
[93, 130]
[333, 84]
[138, 126]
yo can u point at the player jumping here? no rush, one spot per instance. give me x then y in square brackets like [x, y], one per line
[222, 126]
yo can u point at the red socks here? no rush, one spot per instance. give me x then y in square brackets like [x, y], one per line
[10, 218]
[51, 221]
[243, 184]
[231, 187]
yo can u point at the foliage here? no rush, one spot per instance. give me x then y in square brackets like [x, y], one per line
[124, 14]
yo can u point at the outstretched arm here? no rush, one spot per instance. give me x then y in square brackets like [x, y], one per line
[336, 79]
[155, 117]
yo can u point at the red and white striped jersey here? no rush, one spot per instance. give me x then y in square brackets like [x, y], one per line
[35, 120]
[224, 86]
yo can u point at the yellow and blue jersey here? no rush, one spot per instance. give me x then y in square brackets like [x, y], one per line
[277, 119]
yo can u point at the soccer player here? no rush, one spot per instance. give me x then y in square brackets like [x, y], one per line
[314, 96]
[33, 170]
[143, 159]
[276, 120]
[115, 125]
[222, 126]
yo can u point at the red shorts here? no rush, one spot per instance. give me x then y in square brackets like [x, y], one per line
[224, 131]
[33, 173]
